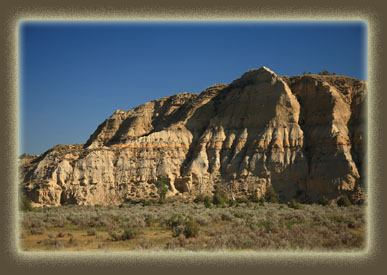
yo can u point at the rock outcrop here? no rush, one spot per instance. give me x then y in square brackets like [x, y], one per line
[303, 135]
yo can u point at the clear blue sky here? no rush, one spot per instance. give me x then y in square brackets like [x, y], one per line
[75, 75]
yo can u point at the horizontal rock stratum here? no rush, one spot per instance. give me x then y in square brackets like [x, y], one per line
[304, 135]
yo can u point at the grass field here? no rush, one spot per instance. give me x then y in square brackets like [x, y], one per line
[192, 226]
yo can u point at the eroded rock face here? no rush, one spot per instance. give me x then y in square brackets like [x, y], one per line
[303, 135]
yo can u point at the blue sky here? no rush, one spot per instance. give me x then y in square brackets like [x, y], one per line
[75, 75]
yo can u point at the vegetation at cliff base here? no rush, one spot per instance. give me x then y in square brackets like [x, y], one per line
[211, 223]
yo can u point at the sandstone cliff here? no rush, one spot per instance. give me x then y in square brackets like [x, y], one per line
[303, 135]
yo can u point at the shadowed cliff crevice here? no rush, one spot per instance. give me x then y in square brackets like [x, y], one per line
[357, 131]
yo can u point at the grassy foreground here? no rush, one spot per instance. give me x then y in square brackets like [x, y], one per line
[192, 226]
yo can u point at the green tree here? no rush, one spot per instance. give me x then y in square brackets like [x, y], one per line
[162, 188]
[271, 195]
[207, 202]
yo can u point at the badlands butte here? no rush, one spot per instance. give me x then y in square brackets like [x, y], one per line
[303, 135]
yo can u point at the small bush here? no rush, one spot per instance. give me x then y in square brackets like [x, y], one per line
[337, 219]
[220, 197]
[91, 232]
[262, 201]
[294, 204]
[199, 198]
[175, 220]
[25, 204]
[232, 203]
[177, 230]
[191, 229]
[254, 198]
[343, 201]
[121, 205]
[36, 231]
[324, 201]
[147, 202]
[242, 200]
[149, 221]
[186, 226]
[22, 156]
[114, 235]
[54, 243]
[226, 217]
[128, 234]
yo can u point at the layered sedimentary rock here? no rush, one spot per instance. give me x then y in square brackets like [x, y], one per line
[302, 135]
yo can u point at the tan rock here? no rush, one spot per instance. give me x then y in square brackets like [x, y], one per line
[303, 135]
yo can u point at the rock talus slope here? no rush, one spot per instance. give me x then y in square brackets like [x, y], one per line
[302, 135]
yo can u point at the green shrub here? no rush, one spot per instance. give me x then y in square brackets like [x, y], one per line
[232, 203]
[294, 204]
[186, 226]
[226, 217]
[218, 200]
[114, 235]
[254, 198]
[343, 201]
[199, 198]
[207, 202]
[25, 204]
[271, 195]
[242, 200]
[324, 201]
[262, 201]
[191, 229]
[146, 202]
[149, 221]
[267, 225]
[337, 219]
[129, 233]
[175, 220]
[220, 197]
[36, 231]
